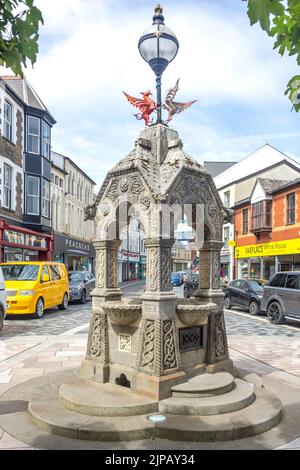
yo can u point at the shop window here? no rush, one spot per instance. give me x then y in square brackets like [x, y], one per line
[45, 199]
[33, 195]
[7, 125]
[262, 215]
[291, 203]
[7, 186]
[245, 221]
[33, 135]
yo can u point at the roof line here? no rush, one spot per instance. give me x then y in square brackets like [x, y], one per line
[73, 163]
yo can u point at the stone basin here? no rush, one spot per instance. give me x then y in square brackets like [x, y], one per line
[194, 314]
[121, 313]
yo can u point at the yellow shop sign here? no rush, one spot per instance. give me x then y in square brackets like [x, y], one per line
[284, 247]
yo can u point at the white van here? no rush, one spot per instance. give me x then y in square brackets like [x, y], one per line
[2, 300]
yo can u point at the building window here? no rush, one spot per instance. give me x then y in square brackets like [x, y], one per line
[61, 182]
[7, 186]
[33, 135]
[33, 195]
[46, 140]
[226, 236]
[262, 215]
[52, 178]
[227, 199]
[56, 180]
[245, 221]
[45, 198]
[7, 130]
[291, 204]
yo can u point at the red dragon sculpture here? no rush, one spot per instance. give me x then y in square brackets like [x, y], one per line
[146, 106]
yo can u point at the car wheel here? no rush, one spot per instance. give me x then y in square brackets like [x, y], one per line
[1, 320]
[275, 313]
[65, 302]
[39, 308]
[83, 297]
[253, 308]
[227, 303]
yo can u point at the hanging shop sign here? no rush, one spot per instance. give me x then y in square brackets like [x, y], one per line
[24, 239]
[284, 247]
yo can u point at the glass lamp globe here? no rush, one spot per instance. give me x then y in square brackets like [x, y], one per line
[158, 45]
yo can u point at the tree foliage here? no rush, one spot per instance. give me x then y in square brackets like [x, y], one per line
[280, 19]
[19, 33]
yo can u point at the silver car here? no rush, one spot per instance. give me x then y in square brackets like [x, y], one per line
[81, 284]
[281, 296]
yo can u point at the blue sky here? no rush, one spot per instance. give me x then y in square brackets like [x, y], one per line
[88, 55]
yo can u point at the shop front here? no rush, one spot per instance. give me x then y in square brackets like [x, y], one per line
[78, 255]
[20, 244]
[261, 261]
[130, 266]
[143, 261]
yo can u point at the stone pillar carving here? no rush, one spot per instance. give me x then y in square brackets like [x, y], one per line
[96, 363]
[217, 356]
[159, 266]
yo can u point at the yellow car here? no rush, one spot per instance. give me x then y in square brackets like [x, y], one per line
[32, 287]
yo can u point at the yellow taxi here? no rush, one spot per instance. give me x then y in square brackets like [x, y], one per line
[32, 287]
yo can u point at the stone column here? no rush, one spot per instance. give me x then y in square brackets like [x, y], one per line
[217, 357]
[158, 362]
[96, 363]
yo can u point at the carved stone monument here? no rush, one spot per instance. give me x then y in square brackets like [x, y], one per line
[156, 366]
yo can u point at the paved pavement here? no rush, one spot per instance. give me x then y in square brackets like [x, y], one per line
[30, 348]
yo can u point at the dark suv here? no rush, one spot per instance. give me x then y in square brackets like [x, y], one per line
[281, 296]
[244, 293]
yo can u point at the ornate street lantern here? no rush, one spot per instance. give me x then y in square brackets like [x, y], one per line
[158, 46]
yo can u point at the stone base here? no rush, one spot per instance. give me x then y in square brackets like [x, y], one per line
[222, 366]
[154, 387]
[94, 371]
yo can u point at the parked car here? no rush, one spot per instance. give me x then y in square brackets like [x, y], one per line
[2, 300]
[81, 285]
[191, 285]
[176, 279]
[281, 297]
[33, 287]
[244, 293]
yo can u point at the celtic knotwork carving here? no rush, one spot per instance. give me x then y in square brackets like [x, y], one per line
[98, 335]
[136, 187]
[212, 210]
[174, 200]
[100, 268]
[190, 338]
[220, 344]
[166, 270]
[147, 361]
[113, 190]
[216, 270]
[181, 189]
[169, 360]
[145, 202]
[205, 269]
[124, 185]
[112, 277]
[153, 271]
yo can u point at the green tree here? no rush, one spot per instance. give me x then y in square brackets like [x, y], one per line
[19, 33]
[280, 19]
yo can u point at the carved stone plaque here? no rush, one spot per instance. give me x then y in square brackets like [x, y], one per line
[125, 343]
[190, 338]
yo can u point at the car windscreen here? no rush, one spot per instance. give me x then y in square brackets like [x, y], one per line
[20, 272]
[75, 277]
[256, 286]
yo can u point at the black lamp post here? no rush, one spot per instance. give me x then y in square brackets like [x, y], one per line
[158, 46]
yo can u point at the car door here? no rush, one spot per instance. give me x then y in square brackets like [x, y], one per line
[233, 291]
[56, 285]
[243, 294]
[290, 295]
[46, 287]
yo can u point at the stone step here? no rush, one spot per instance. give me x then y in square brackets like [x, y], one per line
[205, 385]
[239, 397]
[107, 399]
[46, 412]
[263, 414]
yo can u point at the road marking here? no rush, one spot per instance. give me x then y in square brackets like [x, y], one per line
[264, 320]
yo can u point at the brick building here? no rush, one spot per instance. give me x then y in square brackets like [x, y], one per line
[267, 229]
